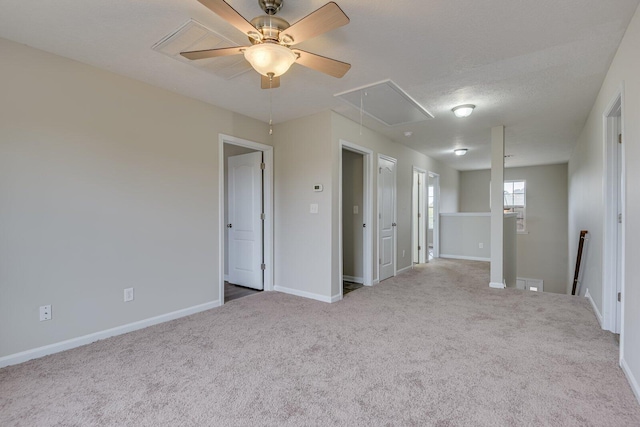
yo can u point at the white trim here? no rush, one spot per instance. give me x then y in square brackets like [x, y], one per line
[375, 282]
[267, 185]
[633, 382]
[336, 297]
[423, 221]
[23, 356]
[468, 258]
[306, 294]
[497, 285]
[405, 269]
[436, 214]
[353, 279]
[587, 295]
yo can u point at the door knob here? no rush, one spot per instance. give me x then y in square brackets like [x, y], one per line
[229, 225]
[393, 224]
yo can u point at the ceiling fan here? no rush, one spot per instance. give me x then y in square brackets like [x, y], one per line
[270, 53]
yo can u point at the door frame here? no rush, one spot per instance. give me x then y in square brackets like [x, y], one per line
[395, 219]
[267, 197]
[423, 223]
[436, 212]
[367, 203]
[611, 173]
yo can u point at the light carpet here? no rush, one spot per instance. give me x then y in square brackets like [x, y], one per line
[432, 347]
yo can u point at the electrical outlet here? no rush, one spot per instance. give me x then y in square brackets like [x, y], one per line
[481, 245]
[45, 313]
[128, 294]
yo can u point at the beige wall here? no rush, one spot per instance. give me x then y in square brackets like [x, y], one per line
[586, 197]
[542, 251]
[303, 157]
[352, 231]
[105, 183]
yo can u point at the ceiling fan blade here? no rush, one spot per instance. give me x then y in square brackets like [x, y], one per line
[213, 53]
[327, 18]
[229, 14]
[266, 83]
[323, 64]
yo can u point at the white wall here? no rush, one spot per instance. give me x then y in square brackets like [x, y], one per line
[105, 183]
[586, 193]
[542, 251]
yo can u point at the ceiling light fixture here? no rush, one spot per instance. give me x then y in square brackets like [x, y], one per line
[270, 59]
[463, 110]
[460, 151]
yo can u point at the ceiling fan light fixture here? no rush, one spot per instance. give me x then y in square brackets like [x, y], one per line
[270, 58]
[463, 110]
[460, 151]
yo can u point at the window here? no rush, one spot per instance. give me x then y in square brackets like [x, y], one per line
[515, 200]
[430, 207]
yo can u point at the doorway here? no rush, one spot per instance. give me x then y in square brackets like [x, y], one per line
[355, 210]
[419, 229]
[387, 226]
[433, 215]
[246, 217]
[614, 220]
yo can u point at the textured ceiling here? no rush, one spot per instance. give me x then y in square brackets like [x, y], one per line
[533, 66]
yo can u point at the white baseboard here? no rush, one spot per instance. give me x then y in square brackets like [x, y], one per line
[353, 279]
[468, 258]
[496, 285]
[23, 356]
[336, 298]
[402, 270]
[633, 382]
[305, 294]
[375, 282]
[587, 295]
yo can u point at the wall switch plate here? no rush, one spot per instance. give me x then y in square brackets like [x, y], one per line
[313, 208]
[355, 210]
[128, 294]
[481, 245]
[45, 313]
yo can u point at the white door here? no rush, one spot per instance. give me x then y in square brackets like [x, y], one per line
[419, 218]
[618, 317]
[245, 221]
[387, 216]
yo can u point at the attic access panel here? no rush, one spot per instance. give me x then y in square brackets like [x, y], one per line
[192, 35]
[387, 103]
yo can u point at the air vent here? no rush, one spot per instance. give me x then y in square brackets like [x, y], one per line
[194, 36]
[387, 103]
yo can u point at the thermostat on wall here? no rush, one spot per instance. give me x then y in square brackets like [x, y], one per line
[317, 187]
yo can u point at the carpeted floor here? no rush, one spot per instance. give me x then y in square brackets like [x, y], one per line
[434, 346]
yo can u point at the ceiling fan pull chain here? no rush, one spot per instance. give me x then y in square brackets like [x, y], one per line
[270, 105]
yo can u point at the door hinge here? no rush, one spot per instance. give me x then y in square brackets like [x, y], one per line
[263, 266]
[262, 166]
[619, 296]
[419, 215]
[419, 248]
[619, 218]
[380, 261]
[619, 138]
[263, 216]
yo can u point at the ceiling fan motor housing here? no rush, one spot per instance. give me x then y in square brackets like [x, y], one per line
[270, 27]
[270, 7]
